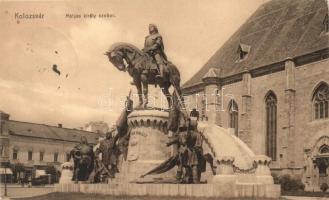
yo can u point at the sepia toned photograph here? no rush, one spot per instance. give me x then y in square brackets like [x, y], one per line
[164, 100]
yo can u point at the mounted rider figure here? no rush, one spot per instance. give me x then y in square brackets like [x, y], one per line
[154, 47]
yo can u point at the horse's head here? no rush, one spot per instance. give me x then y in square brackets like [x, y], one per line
[116, 58]
[121, 53]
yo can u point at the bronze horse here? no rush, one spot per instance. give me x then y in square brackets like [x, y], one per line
[142, 68]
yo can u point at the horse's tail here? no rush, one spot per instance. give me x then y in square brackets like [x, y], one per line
[174, 78]
[174, 75]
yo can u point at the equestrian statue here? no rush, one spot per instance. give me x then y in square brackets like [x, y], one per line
[149, 66]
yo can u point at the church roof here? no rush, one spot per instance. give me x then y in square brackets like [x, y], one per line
[277, 30]
[43, 131]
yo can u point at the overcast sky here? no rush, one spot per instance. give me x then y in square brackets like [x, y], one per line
[30, 91]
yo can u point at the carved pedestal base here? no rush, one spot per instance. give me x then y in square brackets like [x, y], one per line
[147, 145]
[263, 172]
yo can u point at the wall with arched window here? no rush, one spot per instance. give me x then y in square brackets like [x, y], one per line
[233, 118]
[271, 124]
[310, 79]
[320, 101]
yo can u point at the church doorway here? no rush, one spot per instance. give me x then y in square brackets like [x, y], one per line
[316, 165]
[322, 163]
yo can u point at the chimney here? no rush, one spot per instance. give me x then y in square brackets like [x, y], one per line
[60, 125]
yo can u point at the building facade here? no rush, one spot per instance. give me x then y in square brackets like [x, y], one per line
[31, 148]
[270, 82]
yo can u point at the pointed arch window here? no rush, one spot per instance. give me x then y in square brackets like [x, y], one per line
[271, 125]
[321, 102]
[234, 116]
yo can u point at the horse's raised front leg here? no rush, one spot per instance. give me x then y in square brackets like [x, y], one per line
[139, 92]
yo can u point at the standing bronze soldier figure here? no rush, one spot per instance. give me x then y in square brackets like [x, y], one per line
[190, 153]
[154, 47]
[109, 152]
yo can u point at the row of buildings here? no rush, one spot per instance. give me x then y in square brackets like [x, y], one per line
[270, 82]
[33, 149]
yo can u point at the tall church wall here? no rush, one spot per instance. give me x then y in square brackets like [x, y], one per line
[307, 129]
[297, 132]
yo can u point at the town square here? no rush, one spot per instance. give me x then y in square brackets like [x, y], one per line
[164, 99]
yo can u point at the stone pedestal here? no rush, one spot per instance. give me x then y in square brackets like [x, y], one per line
[263, 172]
[66, 173]
[225, 165]
[147, 145]
[225, 177]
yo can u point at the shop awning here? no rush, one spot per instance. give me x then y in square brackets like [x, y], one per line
[8, 171]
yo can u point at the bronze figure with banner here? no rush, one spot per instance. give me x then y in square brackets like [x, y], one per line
[113, 148]
[109, 152]
[189, 159]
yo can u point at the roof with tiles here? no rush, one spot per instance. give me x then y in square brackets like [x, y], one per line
[49, 132]
[277, 30]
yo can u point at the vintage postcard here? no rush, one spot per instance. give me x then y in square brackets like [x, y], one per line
[154, 99]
